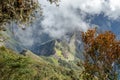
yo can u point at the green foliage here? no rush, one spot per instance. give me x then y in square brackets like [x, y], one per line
[22, 11]
[14, 66]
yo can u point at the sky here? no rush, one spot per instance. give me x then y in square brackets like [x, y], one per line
[71, 16]
[80, 15]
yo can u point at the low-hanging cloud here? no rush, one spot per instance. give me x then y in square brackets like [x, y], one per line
[71, 14]
[60, 20]
[109, 8]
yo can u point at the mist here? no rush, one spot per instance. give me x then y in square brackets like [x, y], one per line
[69, 16]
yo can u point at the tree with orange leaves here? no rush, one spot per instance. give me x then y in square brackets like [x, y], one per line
[101, 52]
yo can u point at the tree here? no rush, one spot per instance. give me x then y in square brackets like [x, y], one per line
[55, 1]
[21, 11]
[102, 52]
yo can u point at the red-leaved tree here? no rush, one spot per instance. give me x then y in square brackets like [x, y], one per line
[101, 52]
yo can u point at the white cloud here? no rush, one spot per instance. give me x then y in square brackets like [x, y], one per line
[92, 6]
[60, 20]
[70, 15]
[113, 10]
[24, 36]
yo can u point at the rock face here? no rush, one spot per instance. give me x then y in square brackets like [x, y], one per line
[67, 48]
[46, 48]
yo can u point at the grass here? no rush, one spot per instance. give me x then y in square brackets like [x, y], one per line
[14, 66]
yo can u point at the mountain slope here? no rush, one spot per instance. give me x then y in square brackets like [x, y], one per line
[67, 48]
[14, 66]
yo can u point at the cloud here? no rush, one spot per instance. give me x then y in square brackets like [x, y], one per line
[23, 36]
[113, 9]
[70, 15]
[92, 6]
[109, 8]
[60, 20]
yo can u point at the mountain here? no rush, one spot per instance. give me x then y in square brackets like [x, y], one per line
[67, 48]
[28, 66]
[9, 41]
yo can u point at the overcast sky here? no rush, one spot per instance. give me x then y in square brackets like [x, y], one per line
[69, 16]
[72, 15]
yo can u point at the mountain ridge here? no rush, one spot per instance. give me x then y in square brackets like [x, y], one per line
[15, 66]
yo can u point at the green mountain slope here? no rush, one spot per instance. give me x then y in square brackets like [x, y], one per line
[14, 66]
[67, 49]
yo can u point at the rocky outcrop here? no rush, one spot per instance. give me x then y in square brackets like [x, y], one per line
[68, 48]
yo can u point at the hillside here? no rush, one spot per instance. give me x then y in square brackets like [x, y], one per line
[59, 40]
[68, 48]
[14, 66]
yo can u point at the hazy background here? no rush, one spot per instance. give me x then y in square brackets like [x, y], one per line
[69, 16]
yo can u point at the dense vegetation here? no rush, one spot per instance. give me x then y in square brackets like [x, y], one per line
[101, 52]
[14, 66]
[102, 55]
[17, 10]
